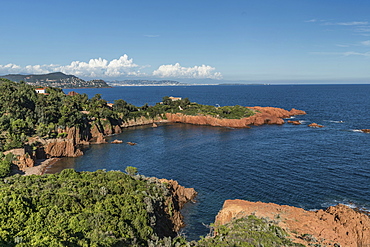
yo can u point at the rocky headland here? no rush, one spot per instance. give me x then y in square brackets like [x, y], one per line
[263, 115]
[336, 226]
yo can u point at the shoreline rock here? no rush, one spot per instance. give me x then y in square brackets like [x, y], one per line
[315, 125]
[264, 115]
[339, 224]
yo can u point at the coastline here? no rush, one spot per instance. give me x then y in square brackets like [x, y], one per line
[40, 166]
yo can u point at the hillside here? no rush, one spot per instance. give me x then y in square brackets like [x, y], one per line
[145, 83]
[57, 79]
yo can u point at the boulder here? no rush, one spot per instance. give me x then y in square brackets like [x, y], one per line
[117, 141]
[315, 125]
[294, 122]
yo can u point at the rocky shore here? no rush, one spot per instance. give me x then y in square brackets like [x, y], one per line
[264, 115]
[336, 226]
[69, 146]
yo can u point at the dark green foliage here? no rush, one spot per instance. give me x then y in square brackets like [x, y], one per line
[5, 164]
[76, 209]
[250, 231]
[130, 170]
[185, 107]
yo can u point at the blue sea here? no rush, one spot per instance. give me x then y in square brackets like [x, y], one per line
[292, 165]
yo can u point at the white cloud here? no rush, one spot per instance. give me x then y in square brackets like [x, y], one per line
[352, 23]
[312, 20]
[366, 42]
[346, 54]
[151, 35]
[196, 72]
[95, 68]
[116, 68]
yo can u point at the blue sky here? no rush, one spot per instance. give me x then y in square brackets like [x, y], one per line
[281, 41]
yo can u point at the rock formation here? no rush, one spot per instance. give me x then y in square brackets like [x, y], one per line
[116, 141]
[141, 121]
[62, 148]
[294, 122]
[264, 115]
[336, 226]
[315, 125]
[180, 196]
[366, 130]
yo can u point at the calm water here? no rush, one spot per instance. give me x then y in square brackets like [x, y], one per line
[293, 165]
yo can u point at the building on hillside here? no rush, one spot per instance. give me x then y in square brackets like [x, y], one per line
[41, 90]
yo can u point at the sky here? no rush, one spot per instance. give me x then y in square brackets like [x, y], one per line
[269, 41]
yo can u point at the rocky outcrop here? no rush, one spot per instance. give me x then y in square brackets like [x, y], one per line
[336, 226]
[366, 130]
[294, 122]
[315, 125]
[141, 121]
[23, 162]
[62, 148]
[116, 141]
[263, 115]
[180, 196]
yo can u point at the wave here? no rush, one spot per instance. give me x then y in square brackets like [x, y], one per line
[334, 121]
[355, 130]
[350, 204]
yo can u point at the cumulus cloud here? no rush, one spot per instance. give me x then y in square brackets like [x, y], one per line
[116, 68]
[99, 67]
[196, 72]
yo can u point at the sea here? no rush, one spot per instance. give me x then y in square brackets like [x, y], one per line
[296, 165]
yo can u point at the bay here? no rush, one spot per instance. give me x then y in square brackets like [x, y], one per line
[292, 165]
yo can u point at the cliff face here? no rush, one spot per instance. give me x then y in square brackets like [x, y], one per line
[339, 225]
[179, 196]
[264, 115]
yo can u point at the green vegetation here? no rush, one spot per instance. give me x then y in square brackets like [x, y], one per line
[5, 164]
[186, 107]
[79, 209]
[250, 231]
[24, 113]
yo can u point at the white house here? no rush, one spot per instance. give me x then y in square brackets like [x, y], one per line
[40, 90]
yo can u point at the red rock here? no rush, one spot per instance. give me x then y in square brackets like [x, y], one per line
[62, 149]
[336, 225]
[265, 115]
[295, 122]
[117, 141]
[315, 125]
[366, 130]
[180, 196]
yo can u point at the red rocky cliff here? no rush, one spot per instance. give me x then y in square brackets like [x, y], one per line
[338, 225]
[264, 115]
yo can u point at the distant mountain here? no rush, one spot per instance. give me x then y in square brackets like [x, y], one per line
[57, 79]
[145, 83]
